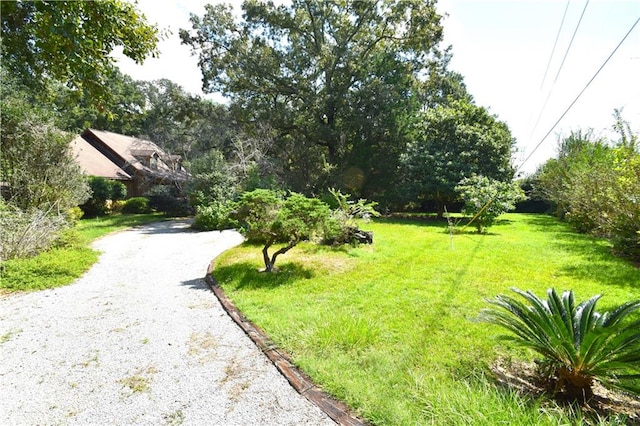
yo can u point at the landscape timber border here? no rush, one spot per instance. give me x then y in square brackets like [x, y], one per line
[338, 411]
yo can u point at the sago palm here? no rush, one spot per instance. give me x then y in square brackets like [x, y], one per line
[578, 343]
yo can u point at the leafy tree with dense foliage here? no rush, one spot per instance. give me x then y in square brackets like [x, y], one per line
[451, 143]
[44, 45]
[39, 178]
[267, 217]
[211, 180]
[338, 81]
[579, 345]
[564, 180]
[183, 123]
[123, 111]
[485, 199]
[72, 41]
[212, 190]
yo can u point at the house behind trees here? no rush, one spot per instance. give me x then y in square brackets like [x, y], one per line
[139, 164]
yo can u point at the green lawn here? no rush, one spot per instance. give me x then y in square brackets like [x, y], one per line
[392, 330]
[71, 257]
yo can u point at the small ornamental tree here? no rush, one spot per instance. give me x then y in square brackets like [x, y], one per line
[267, 217]
[485, 199]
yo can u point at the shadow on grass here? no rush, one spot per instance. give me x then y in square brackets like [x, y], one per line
[597, 261]
[429, 221]
[245, 275]
[461, 224]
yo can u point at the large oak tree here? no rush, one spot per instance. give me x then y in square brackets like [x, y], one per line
[338, 81]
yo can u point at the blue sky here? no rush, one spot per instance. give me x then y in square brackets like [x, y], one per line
[502, 48]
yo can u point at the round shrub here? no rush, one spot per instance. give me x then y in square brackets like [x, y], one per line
[74, 214]
[214, 216]
[136, 205]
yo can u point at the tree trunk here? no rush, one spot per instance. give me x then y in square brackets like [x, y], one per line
[268, 264]
[283, 250]
[575, 386]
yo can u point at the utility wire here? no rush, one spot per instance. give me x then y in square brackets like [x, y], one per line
[579, 95]
[546, 71]
[571, 42]
[555, 44]
[566, 53]
[561, 117]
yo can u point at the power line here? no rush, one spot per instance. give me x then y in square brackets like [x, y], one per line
[566, 53]
[571, 41]
[546, 71]
[555, 44]
[579, 94]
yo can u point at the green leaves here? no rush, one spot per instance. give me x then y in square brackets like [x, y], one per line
[587, 344]
[337, 80]
[268, 217]
[595, 185]
[485, 199]
[72, 41]
[453, 142]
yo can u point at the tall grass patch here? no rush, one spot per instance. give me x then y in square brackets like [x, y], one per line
[392, 329]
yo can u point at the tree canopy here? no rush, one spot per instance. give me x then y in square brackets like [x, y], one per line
[451, 143]
[45, 46]
[36, 166]
[71, 41]
[338, 81]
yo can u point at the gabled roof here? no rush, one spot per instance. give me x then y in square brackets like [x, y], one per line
[135, 152]
[94, 163]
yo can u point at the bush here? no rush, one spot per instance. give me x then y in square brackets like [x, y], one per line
[117, 206]
[103, 193]
[136, 205]
[268, 217]
[37, 167]
[74, 214]
[214, 216]
[27, 233]
[341, 226]
[577, 343]
[485, 199]
[167, 200]
[211, 180]
[595, 186]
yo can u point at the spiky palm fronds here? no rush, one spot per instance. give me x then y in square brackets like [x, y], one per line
[579, 343]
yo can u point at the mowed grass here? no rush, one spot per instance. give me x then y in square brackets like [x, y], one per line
[392, 330]
[69, 259]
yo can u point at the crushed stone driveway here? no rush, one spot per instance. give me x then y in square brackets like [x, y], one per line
[140, 339]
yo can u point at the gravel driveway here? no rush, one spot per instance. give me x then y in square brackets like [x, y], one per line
[140, 339]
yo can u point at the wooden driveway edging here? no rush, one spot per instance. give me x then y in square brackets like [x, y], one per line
[336, 410]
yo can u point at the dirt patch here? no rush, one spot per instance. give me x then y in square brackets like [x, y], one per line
[525, 379]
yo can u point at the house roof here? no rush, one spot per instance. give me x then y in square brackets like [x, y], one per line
[94, 163]
[136, 152]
